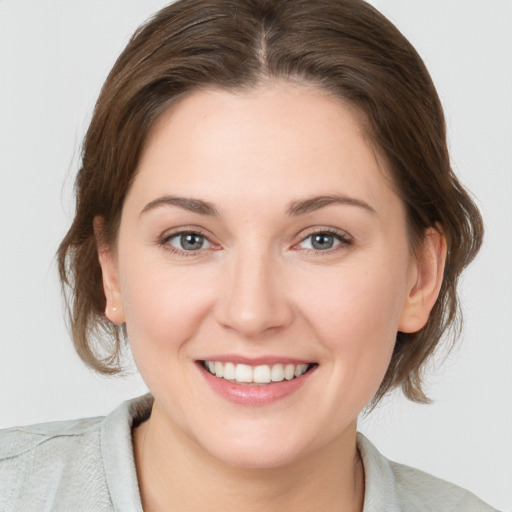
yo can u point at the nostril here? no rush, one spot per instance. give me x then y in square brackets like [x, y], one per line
[251, 319]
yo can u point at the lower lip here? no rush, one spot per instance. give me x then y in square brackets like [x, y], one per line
[253, 394]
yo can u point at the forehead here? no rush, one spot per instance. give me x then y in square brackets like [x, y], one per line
[271, 143]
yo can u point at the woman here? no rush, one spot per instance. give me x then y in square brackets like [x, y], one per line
[266, 211]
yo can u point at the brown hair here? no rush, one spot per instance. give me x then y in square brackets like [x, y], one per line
[344, 47]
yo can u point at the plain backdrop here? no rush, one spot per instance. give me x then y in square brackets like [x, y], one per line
[54, 56]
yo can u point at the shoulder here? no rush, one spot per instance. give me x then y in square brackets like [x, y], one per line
[402, 488]
[16, 441]
[417, 490]
[78, 465]
[38, 462]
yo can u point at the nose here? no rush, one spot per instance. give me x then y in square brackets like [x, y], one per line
[253, 298]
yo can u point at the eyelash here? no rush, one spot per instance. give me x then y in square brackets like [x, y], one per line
[164, 242]
[343, 239]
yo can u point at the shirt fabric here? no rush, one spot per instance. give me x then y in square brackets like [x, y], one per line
[87, 465]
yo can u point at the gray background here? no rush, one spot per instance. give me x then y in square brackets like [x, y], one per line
[54, 56]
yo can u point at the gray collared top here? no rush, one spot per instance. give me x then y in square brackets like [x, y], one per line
[87, 465]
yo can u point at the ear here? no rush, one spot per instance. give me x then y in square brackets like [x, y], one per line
[114, 309]
[425, 281]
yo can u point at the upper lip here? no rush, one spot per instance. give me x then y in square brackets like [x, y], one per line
[254, 361]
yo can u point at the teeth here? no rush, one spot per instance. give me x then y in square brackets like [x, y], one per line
[219, 369]
[277, 373]
[289, 371]
[229, 371]
[300, 369]
[262, 374]
[243, 372]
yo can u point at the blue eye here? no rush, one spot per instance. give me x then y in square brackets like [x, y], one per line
[323, 241]
[188, 242]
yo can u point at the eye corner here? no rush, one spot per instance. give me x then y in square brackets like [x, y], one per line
[176, 242]
[330, 240]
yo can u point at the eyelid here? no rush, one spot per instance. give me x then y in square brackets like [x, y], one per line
[342, 236]
[182, 230]
[184, 233]
[166, 236]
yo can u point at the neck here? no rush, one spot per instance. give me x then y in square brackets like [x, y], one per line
[175, 473]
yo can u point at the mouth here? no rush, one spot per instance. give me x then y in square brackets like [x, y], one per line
[259, 375]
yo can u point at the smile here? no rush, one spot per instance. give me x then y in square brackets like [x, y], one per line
[261, 374]
[255, 384]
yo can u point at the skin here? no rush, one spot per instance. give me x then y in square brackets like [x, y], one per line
[256, 289]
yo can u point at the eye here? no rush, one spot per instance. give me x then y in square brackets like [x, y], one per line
[323, 241]
[188, 241]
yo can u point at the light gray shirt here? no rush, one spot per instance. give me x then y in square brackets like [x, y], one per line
[87, 465]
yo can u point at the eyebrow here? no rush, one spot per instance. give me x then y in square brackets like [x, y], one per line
[295, 208]
[315, 203]
[193, 205]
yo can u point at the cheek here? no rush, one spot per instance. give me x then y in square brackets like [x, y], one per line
[354, 312]
[356, 324]
[355, 302]
[164, 308]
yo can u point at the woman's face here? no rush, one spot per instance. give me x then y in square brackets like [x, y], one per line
[261, 239]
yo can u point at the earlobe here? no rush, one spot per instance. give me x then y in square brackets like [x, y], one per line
[114, 306]
[425, 283]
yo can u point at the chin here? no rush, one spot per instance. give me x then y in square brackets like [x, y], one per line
[257, 448]
[256, 457]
